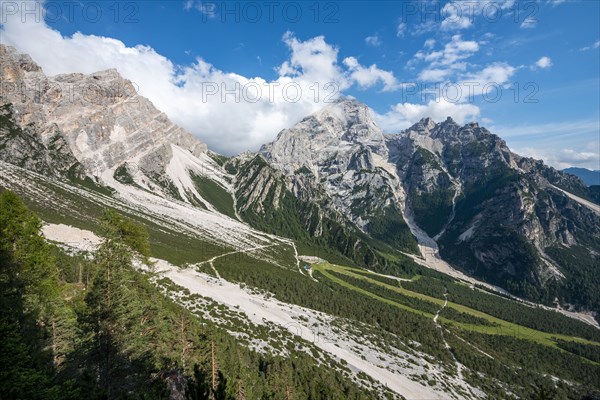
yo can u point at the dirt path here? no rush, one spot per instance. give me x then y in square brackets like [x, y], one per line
[459, 366]
[212, 260]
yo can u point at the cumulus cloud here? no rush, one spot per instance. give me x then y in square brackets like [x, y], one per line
[461, 14]
[447, 62]
[498, 73]
[404, 115]
[460, 80]
[201, 97]
[367, 77]
[544, 62]
[456, 17]
[455, 50]
[434, 75]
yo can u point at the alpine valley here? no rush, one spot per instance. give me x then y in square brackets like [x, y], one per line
[338, 262]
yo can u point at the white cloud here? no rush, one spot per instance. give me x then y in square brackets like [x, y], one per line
[488, 81]
[461, 80]
[444, 63]
[556, 2]
[546, 141]
[434, 75]
[424, 27]
[401, 29]
[403, 115]
[498, 73]
[367, 77]
[529, 22]
[312, 60]
[209, 10]
[544, 62]
[455, 50]
[373, 40]
[178, 90]
[456, 16]
[563, 158]
[593, 46]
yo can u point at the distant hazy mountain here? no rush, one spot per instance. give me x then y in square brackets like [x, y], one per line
[588, 176]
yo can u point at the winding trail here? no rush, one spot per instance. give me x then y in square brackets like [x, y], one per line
[459, 366]
[291, 243]
[212, 260]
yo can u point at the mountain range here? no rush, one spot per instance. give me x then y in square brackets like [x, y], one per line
[589, 177]
[440, 197]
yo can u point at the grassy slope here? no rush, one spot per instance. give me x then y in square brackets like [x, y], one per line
[214, 194]
[502, 327]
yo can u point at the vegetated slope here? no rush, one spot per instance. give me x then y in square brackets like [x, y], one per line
[115, 335]
[266, 202]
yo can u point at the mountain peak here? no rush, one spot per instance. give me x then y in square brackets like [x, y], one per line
[102, 118]
[348, 111]
[449, 120]
[11, 57]
[425, 125]
[342, 127]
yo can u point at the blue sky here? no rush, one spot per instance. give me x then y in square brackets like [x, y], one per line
[382, 53]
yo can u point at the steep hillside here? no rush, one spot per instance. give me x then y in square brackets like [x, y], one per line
[495, 214]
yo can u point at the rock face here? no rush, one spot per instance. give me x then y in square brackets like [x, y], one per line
[23, 147]
[340, 154]
[494, 214]
[100, 116]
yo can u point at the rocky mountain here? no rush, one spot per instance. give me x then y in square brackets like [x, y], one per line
[334, 181]
[339, 157]
[96, 131]
[493, 214]
[98, 120]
